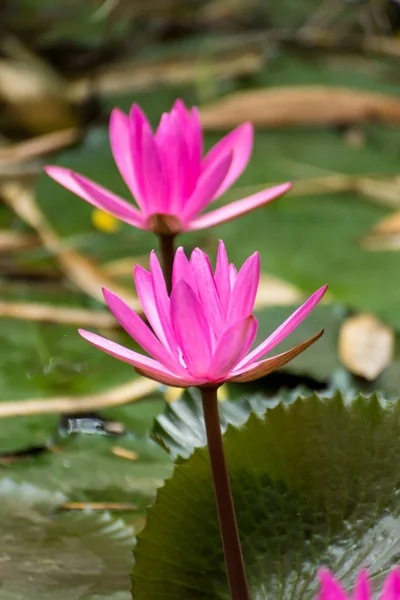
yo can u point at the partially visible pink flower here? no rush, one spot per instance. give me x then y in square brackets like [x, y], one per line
[330, 588]
[167, 174]
[202, 334]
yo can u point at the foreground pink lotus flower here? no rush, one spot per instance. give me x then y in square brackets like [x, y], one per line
[330, 588]
[203, 332]
[170, 180]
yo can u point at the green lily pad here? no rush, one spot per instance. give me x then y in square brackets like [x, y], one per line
[181, 428]
[314, 482]
[84, 468]
[68, 555]
[46, 360]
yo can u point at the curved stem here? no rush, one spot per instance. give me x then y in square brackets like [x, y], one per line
[223, 495]
[167, 257]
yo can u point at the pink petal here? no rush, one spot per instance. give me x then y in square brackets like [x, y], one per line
[330, 589]
[195, 143]
[362, 589]
[207, 290]
[207, 184]
[240, 141]
[155, 182]
[188, 123]
[236, 209]
[162, 302]
[221, 277]
[176, 161]
[245, 290]
[145, 291]
[121, 146]
[179, 382]
[232, 346]
[138, 122]
[232, 276]
[139, 331]
[96, 195]
[179, 108]
[264, 367]
[285, 329]
[191, 329]
[154, 368]
[182, 270]
[391, 587]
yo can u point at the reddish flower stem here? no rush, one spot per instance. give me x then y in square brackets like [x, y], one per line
[223, 495]
[167, 257]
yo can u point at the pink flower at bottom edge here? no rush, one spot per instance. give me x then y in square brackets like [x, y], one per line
[330, 588]
[167, 174]
[202, 333]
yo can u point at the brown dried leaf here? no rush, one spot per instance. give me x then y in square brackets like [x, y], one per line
[384, 192]
[123, 267]
[276, 292]
[124, 453]
[389, 224]
[116, 396]
[385, 235]
[35, 97]
[131, 77]
[300, 105]
[15, 240]
[38, 146]
[112, 506]
[366, 346]
[32, 311]
[381, 243]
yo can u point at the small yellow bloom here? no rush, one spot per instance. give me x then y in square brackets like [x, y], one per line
[104, 221]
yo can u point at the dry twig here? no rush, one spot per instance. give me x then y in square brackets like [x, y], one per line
[116, 396]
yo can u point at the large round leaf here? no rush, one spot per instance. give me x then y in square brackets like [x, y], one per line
[315, 482]
[68, 556]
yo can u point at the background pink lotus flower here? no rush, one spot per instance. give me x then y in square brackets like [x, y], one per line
[203, 332]
[330, 588]
[170, 180]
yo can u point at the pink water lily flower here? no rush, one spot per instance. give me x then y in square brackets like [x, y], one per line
[202, 333]
[167, 174]
[330, 588]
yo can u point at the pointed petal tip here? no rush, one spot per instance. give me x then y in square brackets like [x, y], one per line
[53, 170]
[117, 113]
[137, 271]
[85, 334]
[321, 291]
[154, 262]
[247, 128]
[324, 573]
[136, 113]
[255, 258]
[108, 295]
[265, 367]
[180, 105]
